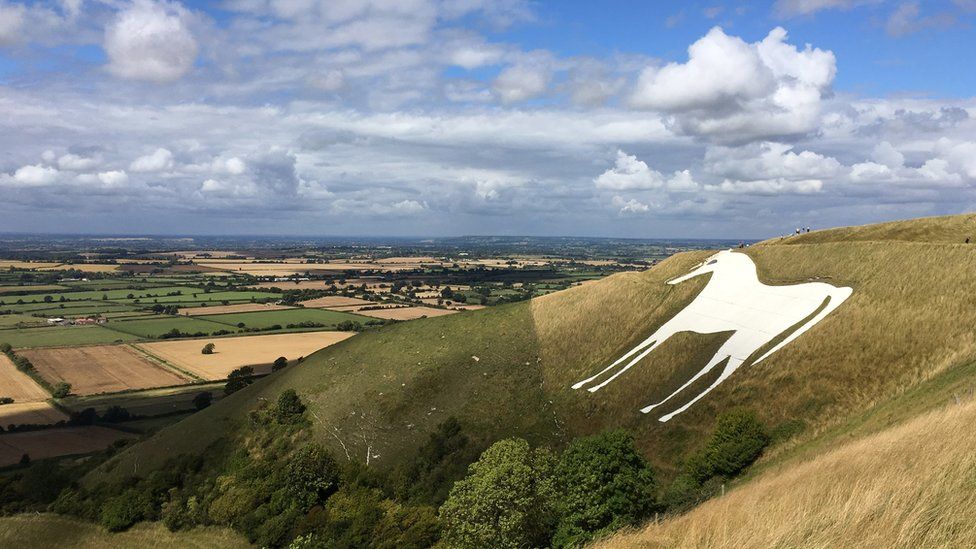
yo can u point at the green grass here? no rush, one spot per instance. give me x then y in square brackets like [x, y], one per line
[43, 531]
[11, 321]
[112, 295]
[283, 317]
[155, 327]
[61, 336]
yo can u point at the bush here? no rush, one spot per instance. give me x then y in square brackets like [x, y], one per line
[739, 439]
[289, 407]
[208, 349]
[604, 484]
[312, 475]
[61, 390]
[238, 379]
[5, 348]
[507, 500]
[121, 512]
[279, 364]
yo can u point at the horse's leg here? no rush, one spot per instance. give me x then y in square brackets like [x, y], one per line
[640, 357]
[649, 341]
[731, 367]
[837, 296]
[717, 358]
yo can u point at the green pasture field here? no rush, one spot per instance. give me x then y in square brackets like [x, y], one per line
[109, 295]
[155, 327]
[199, 296]
[61, 336]
[84, 308]
[283, 317]
[11, 321]
[13, 288]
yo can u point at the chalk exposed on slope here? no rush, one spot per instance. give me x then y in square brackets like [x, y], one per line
[733, 300]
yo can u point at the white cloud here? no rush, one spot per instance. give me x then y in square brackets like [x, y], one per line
[629, 173]
[35, 175]
[150, 40]
[884, 153]
[521, 82]
[160, 160]
[960, 156]
[474, 56]
[682, 181]
[630, 206]
[11, 22]
[733, 91]
[408, 207]
[113, 178]
[793, 8]
[77, 163]
[871, 172]
[768, 161]
[768, 187]
[232, 165]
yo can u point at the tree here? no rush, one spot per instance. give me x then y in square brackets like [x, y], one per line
[507, 500]
[739, 439]
[238, 379]
[311, 476]
[279, 364]
[289, 407]
[208, 349]
[604, 484]
[61, 390]
[5, 348]
[202, 400]
[48, 299]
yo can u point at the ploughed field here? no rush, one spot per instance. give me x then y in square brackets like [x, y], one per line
[56, 442]
[102, 369]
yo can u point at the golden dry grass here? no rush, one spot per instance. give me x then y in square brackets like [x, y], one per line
[948, 229]
[233, 352]
[333, 301]
[911, 486]
[18, 385]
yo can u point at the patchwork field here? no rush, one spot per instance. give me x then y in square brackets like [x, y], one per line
[28, 413]
[406, 313]
[149, 402]
[62, 336]
[155, 327]
[266, 319]
[18, 385]
[35, 288]
[101, 369]
[57, 442]
[331, 301]
[239, 308]
[234, 352]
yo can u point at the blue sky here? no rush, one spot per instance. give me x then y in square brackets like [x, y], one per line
[446, 117]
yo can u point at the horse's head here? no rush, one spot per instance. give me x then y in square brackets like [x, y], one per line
[707, 266]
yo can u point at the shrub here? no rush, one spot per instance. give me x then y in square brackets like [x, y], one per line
[202, 400]
[121, 512]
[61, 390]
[312, 475]
[289, 407]
[238, 379]
[5, 348]
[604, 484]
[739, 439]
[507, 499]
[279, 364]
[208, 349]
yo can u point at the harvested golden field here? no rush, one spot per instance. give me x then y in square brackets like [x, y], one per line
[101, 368]
[300, 285]
[18, 385]
[233, 352]
[909, 486]
[86, 267]
[57, 442]
[29, 413]
[406, 313]
[331, 301]
[42, 531]
[239, 308]
[8, 263]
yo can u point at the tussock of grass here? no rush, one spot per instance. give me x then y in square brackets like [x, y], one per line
[909, 486]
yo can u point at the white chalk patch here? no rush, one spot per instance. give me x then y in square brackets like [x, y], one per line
[734, 300]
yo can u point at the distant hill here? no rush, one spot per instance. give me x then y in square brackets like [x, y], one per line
[507, 371]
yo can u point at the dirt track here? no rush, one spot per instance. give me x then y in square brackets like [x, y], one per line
[101, 368]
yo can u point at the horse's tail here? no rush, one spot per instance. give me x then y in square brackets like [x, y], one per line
[836, 296]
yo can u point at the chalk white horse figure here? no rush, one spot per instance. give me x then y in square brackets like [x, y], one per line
[733, 300]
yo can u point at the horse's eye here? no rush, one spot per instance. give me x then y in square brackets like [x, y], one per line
[712, 262]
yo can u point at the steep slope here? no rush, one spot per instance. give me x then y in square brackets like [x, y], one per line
[908, 486]
[508, 371]
[45, 531]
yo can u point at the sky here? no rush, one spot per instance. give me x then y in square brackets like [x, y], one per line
[483, 117]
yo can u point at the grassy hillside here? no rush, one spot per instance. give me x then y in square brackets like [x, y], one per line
[908, 486]
[507, 371]
[43, 531]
